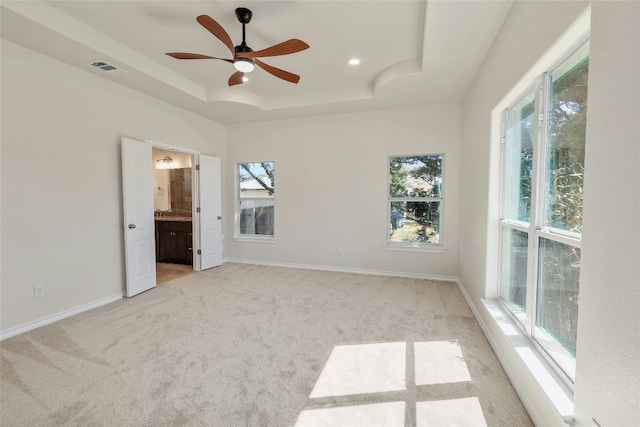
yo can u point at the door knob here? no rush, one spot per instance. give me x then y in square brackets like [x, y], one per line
[132, 226]
[219, 217]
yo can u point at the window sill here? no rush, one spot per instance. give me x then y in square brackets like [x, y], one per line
[255, 239]
[438, 249]
[557, 392]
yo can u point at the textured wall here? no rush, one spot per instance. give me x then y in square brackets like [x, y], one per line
[521, 52]
[331, 186]
[608, 367]
[61, 180]
[607, 378]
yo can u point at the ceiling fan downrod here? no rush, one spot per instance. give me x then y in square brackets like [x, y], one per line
[244, 16]
[244, 65]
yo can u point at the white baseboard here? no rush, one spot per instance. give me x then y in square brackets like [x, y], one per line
[487, 333]
[16, 330]
[345, 270]
[523, 394]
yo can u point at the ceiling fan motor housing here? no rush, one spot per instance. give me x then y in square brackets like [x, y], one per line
[245, 65]
[243, 48]
[244, 15]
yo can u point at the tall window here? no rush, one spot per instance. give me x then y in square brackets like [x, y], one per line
[415, 200]
[541, 219]
[256, 198]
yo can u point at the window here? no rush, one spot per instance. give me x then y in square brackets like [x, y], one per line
[256, 199]
[415, 200]
[541, 211]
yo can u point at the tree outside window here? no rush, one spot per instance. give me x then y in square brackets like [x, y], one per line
[415, 199]
[541, 220]
[256, 192]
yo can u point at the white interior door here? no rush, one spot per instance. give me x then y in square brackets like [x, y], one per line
[139, 225]
[210, 212]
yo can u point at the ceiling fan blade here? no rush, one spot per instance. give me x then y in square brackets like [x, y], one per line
[216, 29]
[284, 75]
[185, 55]
[284, 48]
[236, 78]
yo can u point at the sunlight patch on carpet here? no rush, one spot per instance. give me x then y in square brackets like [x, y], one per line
[439, 362]
[377, 414]
[454, 412]
[363, 368]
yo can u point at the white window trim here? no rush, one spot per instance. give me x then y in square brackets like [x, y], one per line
[254, 239]
[415, 246]
[250, 238]
[546, 379]
[536, 230]
[552, 384]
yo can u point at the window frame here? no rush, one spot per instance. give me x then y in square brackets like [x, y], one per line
[415, 246]
[536, 228]
[256, 238]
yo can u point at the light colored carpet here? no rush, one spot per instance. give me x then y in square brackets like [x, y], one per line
[245, 345]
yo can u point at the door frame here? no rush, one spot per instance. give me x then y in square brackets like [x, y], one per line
[195, 192]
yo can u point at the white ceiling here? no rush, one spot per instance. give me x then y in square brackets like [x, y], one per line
[411, 52]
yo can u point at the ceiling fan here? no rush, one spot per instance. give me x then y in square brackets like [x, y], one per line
[244, 58]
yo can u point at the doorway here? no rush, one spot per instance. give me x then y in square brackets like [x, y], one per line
[173, 189]
[203, 227]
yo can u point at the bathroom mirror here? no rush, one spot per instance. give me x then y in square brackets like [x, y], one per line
[180, 189]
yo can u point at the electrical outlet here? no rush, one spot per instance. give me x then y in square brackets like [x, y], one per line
[38, 291]
[356, 252]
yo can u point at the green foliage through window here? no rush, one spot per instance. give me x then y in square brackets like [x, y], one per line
[541, 218]
[415, 197]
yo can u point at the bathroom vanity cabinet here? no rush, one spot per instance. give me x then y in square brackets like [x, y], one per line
[174, 240]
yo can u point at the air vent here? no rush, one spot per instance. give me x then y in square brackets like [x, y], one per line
[104, 66]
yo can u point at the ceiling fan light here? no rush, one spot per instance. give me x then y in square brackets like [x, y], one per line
[244, 65]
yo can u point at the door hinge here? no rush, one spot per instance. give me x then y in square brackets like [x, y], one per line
[197, 167]
[198, 210]
[199, 252]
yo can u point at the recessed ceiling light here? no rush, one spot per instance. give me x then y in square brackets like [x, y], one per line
[245, 79]
[354, 61]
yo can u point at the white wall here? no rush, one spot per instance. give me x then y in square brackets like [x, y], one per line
[61, 189]
[331, 186]
[61, 181]
[162, 190]
[608, 368]
[533, 33]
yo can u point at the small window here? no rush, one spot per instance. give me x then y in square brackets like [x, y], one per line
[415, 200]
[256, 190]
